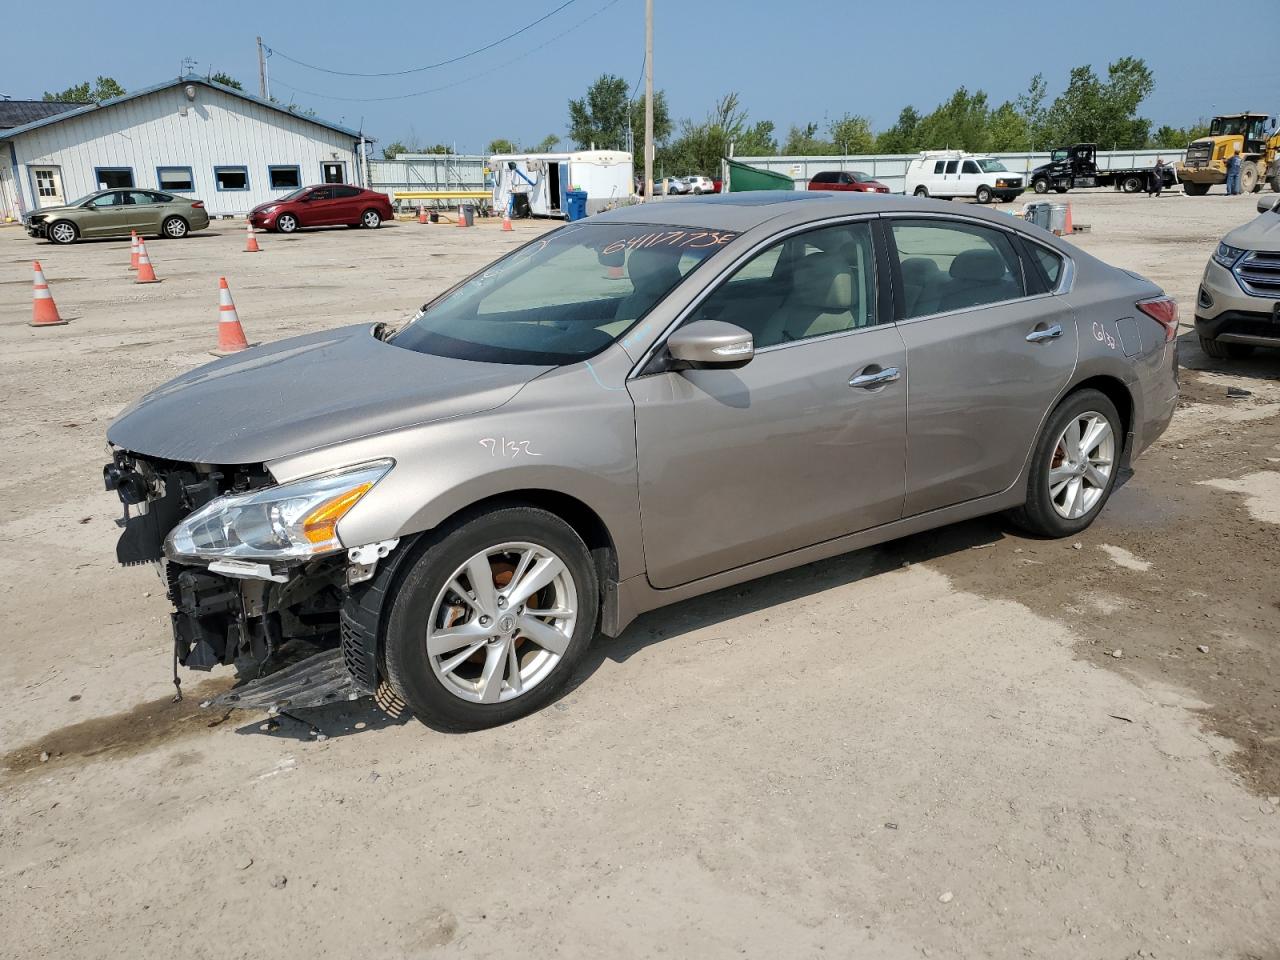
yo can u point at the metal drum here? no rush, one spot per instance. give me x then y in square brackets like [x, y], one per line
[1058, 218]
[1038, 213]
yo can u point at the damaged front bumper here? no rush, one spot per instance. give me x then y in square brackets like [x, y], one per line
[252, 614]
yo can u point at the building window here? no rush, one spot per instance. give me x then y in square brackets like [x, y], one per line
[285, 178]
[177, 179]
[45, 186]
[113, 178]
[231, 178]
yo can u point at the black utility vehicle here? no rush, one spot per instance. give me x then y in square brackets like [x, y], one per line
[1078, 167]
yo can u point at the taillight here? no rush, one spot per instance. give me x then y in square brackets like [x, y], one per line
[197, 205]
[1164, 311]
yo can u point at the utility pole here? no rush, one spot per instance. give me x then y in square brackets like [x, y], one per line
[262, 72]
[648, 99]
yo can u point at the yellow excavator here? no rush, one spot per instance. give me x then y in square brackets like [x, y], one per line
[1250, 133]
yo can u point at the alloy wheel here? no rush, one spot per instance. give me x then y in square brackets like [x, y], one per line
[502, 622]
[286, 223]
[62, 233]
[175, 227]
[371, 219]
[1081, 465]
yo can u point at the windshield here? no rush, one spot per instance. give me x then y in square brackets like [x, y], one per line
[1252, 128]
[564, 297]
[992, 166]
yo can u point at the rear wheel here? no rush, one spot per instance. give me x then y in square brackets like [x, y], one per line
[1248, 177]
[490, 621]
[983, 195]
[63, 231]
[922, 191]
[1131, 184]
[1224, 351]
[371, 220]
[286, 223]
[174, 227]
[1073, 468]
[1195, 189]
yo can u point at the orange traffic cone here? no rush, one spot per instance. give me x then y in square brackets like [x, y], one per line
[251, 240]
[146, 273]
[422, 215]
[230, 333]
[462, 217]
[133, 249]
[1068, 228]
[44, 312]
[506, 222]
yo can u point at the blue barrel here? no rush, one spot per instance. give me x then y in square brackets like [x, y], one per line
[576, 201]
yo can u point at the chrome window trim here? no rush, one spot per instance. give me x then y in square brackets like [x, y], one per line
[760, 245]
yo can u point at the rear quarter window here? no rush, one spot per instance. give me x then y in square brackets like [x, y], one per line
[1048, 263]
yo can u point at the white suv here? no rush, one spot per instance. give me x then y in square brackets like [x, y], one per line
[949, 174]
[699, 185]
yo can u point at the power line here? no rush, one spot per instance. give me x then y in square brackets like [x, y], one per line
[429, 66]
[456, 83]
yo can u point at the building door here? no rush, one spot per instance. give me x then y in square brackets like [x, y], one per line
[48, 186]
[335, 172]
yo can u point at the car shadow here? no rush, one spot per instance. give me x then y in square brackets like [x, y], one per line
[1262, 364]
[89, 241]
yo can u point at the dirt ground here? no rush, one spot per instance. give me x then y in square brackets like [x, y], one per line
[963, 744]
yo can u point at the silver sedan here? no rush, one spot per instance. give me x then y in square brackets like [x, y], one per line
[629, 411]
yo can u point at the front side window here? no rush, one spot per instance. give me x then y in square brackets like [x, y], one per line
[178, 179]
[953, 266]
[104, 200]
[970, 167]
[808, 285]
[564, 297]
[231, 178]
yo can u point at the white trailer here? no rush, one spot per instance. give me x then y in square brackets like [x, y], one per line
[540, 180]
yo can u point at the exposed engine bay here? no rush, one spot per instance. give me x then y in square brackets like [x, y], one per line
[227, 612]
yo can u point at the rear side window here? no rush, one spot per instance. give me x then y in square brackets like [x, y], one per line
[824, 178]
[953, 166]
[1049, 263]
[948, 266]
[937, 167]
[343, 193]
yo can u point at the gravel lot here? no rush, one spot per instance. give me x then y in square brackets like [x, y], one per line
[962, 744]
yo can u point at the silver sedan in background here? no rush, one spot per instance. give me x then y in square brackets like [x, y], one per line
[629, 411]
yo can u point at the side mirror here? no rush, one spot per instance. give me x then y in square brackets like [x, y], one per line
[711, 343]
[1268, 203]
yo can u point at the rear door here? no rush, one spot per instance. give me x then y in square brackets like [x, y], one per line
[740, 465]
[143, 210]
[988, 351]
[347, 204]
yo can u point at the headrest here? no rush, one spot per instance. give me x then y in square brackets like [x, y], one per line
[982, 266]
[653, 271]
[824, 280]
[919, 270]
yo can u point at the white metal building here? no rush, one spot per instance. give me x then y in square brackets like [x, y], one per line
[543, 179]
[188, 136]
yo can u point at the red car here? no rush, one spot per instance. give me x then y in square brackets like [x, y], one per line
[324, 205]
[846, 180]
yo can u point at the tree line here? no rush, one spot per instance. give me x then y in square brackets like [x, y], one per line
[1092, 109]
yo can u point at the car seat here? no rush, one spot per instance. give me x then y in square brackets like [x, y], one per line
[978, 276]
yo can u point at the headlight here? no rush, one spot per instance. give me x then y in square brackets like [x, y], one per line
[292, 521]
[1227, 255]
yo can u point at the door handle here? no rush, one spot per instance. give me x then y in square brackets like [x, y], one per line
[868, 381]
[1052, 333]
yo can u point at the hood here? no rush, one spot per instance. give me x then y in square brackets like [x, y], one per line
[1261, 233]
[47, 211]
[308, 392]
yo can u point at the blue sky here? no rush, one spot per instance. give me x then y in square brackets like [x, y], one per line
[788, 63]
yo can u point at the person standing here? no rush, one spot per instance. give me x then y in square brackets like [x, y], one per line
[1233, 174]
[1156, 184]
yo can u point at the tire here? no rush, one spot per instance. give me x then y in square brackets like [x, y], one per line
[174, 228]
[1275, 178]
[983, 195]
[371, 219]
[1043, 513]
[1059, 189]
[1224, 351]
[922, 191]
[286, 223]
[1131, 184]
[697, 190]
[62, 232]
[1040, 185]
[1249, 177]
[1195, 189]
[445, 690]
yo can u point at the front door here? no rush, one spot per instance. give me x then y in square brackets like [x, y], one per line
[740, 465]
[979, 387]
[105, 216]
[48, 182]
[335, 172]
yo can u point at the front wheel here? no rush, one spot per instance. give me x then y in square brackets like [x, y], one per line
[490, 621]
[983, 195]
[286, 223]
[1225, 351]
[174, 227]
[1041, 185]
[371, 220]
[1073, 467]
[63, 232]
[1194, 189]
